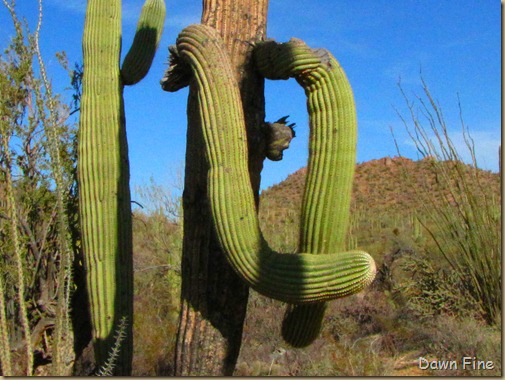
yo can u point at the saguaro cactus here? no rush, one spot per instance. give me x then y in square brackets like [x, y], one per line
[103, 169]
[300, 278]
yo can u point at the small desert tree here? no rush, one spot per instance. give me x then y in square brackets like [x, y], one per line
[38, 221]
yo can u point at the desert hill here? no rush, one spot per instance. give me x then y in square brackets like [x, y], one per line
[386, 185]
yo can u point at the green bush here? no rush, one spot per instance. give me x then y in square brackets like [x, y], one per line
[463, 216]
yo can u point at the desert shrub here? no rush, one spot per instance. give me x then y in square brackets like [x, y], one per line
[156, 308]
[463, 217]
[357, 317]
[452, 338]
[358, 357]
[39, 256]
[362, 358]
[431, 291]
[157, 246]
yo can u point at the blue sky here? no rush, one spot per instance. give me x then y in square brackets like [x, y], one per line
[456, 45]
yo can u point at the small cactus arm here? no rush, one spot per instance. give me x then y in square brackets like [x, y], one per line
[139, 58]
[332, 157]
[103, 174]
[300, 278]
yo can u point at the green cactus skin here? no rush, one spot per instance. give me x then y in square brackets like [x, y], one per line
[302, 324]
[300, 278]
[332, 158]
[103, 174]
[145, 43]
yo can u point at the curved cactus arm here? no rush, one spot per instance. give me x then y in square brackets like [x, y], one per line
[145, 43]
[332, 158]
[300, 278]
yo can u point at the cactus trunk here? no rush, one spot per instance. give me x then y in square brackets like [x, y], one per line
[211, 290]
[103, 174]
[104, 183]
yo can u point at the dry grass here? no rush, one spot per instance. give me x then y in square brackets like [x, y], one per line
[415, 306]
[157, 288]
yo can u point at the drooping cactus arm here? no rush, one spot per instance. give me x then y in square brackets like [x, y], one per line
[304, 278]
[332, 155]
[297, 278]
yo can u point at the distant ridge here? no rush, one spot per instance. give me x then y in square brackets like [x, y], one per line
[381, 185]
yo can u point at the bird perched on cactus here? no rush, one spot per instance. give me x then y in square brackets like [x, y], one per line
[279, 135]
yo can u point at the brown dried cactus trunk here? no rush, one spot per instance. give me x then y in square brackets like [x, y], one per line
[214, 299]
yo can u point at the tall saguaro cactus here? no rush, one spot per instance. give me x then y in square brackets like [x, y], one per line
[103, 169]
[213, 298]
[302, 278]
[227, 143]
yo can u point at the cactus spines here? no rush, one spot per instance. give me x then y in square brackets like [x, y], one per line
[332, 157]
[300, 278]
[103, 176]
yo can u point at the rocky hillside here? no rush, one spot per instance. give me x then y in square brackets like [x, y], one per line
[382, 185]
